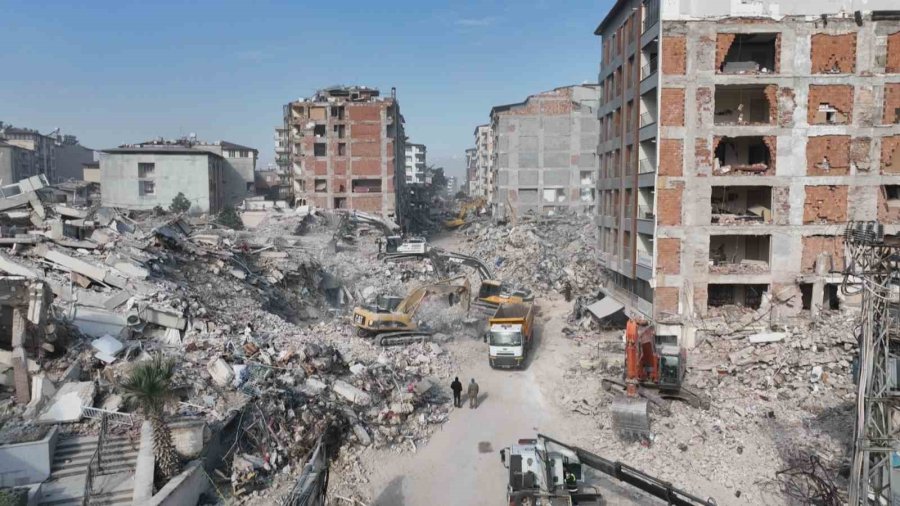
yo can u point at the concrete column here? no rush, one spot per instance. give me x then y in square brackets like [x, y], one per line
[20, 364]
[823, 262]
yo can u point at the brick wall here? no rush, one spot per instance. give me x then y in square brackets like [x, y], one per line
[668, 255]
[892, 64]
[668, 204]
[672, 109]
[833, 53]
[671, 157]
[665, 300]
[825, 204]
[891, 103]
[890, 154]
[828, 155]
[815, 244]
[839, 96]
[723, 44]
[674, 55]
[364, 112]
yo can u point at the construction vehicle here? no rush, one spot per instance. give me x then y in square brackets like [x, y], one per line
[391, 319]
[509, 335]
[464, 210]
[551, 473]
[653, 373]
[492, 291]
[394, 244]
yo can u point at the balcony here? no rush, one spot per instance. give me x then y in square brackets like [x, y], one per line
[649, 68]
[645, 166]
[645, 259]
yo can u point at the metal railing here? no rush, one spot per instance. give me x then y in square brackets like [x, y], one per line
[648, 69]
[106, 416]
[645, 166]
[95, 465]
[645, 259]
[647, 119]
[646, 213]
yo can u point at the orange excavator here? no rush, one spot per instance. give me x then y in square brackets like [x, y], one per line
[653, 373]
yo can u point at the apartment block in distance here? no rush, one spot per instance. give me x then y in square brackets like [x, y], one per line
[414, 163]
[346, 147]
[482, 177]
[737, 140]
[143, 176]
[545, 152]
[472, 182]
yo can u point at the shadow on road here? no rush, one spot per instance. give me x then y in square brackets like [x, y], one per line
[392, 495]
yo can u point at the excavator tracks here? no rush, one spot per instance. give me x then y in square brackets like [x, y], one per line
[652, 393]
[403, 338]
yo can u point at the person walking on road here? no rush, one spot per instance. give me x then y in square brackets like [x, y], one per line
[473, 394]
[456, 386]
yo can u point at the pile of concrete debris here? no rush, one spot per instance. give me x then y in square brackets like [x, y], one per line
[773, 394]
[559, 253]
[244, 314]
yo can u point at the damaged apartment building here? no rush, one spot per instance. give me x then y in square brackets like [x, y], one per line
[545, 152]
[346, 148]
[737, 141]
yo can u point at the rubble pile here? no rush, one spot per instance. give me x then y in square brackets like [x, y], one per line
[545, 254]
[772, 394]
[267, 356]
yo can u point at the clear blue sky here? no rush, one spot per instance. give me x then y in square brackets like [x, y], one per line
[125, 71]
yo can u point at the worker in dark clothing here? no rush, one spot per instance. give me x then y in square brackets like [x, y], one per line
[571, 482]
[456, 386]
[473, 394]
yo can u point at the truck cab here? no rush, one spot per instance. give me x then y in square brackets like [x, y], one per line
[537, 476]
[509, 335]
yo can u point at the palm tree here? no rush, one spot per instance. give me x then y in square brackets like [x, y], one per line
[149, 385]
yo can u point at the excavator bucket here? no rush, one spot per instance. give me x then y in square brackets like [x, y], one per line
[631, 417]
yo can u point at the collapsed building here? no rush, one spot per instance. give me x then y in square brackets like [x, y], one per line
[736, 144]
[346, 148]
[545, 152]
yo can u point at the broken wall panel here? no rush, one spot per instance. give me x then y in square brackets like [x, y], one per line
[828, 155]
[833, 54]
[830, 104]
[825, 204]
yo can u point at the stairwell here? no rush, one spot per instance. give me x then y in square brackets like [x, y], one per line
[114, 484]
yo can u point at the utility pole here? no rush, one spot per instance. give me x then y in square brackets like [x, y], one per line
[869, 271]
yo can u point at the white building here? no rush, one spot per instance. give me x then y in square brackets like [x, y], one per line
[415, 163]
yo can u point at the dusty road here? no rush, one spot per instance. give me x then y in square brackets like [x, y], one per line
[461, 465]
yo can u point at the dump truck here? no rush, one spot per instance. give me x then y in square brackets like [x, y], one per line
[509, 335]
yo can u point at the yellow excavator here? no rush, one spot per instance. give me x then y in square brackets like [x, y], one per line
[464, 210]
[391, 318]
[492, 292]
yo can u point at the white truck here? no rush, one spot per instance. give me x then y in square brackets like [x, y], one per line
[510, 334]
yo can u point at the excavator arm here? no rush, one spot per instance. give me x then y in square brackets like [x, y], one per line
[638, 479]
[483, 270]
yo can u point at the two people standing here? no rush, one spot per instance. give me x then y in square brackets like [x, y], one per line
[471, 393]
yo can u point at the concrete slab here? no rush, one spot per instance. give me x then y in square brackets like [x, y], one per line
[65, 406]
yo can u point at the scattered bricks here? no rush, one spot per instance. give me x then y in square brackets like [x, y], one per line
[704, 106]
[674, 55]
[815, 244]
[890, 155]
[825, 204]
[829, 104]
[859, 153]
[828, 155]
[671, 157]
[833, 54]
[786, 105]
[665, 301]
[892, 64]
[723, 44]
[672, 110]
[891, 103]
[668, 205]
[668, 255]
